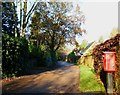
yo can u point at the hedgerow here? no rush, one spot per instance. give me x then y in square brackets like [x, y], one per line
[109, 45]
[14, 55]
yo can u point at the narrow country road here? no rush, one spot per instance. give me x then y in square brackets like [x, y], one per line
[64, 79]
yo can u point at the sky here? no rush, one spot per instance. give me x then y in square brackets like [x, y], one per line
[101, 18]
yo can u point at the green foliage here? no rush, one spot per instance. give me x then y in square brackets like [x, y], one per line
[72, 57]
[48, 60]
[38, 54]
[83, 44]
[9, 19]
[34, 51]
[43, 57]
[14, 55]
[62, 53]
[53, 28]
[61, 56]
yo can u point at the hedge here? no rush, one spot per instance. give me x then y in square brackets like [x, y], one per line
[14, 56]
[109, 45]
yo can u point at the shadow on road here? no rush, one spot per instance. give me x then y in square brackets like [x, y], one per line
[62, 80]
[38, 70]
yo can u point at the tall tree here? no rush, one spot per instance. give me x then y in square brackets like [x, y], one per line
[9, 19]
[25, 15]
[84, 44]
[55, 24]
[21, 17]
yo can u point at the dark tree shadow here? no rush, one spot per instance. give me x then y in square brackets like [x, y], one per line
[103, 76]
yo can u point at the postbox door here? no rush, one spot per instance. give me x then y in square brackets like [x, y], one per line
[109, 61]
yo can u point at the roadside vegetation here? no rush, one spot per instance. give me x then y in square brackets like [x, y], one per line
[36, 38]
[89, 81]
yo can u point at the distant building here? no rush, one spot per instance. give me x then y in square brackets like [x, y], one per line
[86, 55]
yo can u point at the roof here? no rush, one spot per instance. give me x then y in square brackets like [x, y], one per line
[89, 47]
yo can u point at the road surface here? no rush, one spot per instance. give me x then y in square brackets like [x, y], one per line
[64, 79]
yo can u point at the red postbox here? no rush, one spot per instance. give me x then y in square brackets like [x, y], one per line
[109, 61]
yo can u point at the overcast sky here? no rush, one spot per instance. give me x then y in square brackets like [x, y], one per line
[101, 18]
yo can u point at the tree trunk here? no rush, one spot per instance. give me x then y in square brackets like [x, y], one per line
[53, 57]
[23, 13]
[16, 32]
[21, 18]
[24, 16]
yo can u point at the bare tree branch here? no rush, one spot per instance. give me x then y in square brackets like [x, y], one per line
[32, 9]
[30, 13]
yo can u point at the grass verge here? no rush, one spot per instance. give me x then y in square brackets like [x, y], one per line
[88, 80]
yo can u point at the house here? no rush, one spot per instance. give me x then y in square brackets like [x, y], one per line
[86, 55]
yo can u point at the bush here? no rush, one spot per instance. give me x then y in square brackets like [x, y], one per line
[42, 57]
[14, 56]
[72, 57]
[34, 51]
[37, 54]
[61, 56]
[48, 60]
